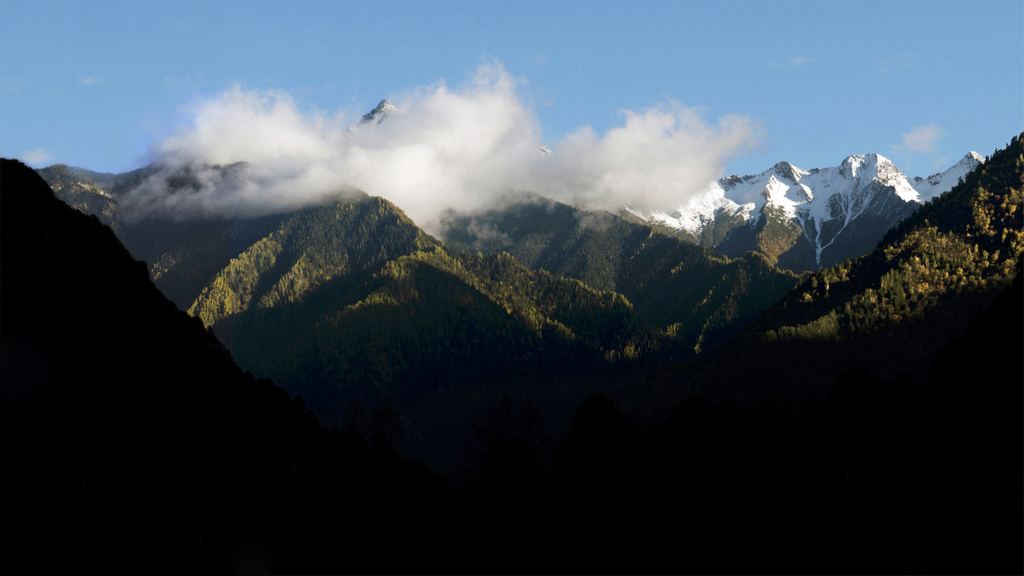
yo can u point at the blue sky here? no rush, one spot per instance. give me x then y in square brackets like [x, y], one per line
[99, 84]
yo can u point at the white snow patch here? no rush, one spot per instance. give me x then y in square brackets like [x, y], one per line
[810, 197]
[937, 184]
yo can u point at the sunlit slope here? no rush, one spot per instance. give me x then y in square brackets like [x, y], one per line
[309, 248]
[352, 301]
[83, 190]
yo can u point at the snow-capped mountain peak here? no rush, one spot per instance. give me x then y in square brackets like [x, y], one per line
[971, 160]
[384, 109]
[788, 171]
[869, 168]
[835, 210]
[936, 184]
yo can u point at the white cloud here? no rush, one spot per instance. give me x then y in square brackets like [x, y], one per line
[800, 60]
[922, 138]
[444, 149]
[89, 80]
[657, 159]
[38, 157]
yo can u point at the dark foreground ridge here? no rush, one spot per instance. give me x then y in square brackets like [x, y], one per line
[134, 444]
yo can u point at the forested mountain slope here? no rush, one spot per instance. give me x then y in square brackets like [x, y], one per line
[888, 311]
[84, 190]
[308, 248]
[352, 301]
[699, 296]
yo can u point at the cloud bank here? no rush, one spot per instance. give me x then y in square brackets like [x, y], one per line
[442, 150]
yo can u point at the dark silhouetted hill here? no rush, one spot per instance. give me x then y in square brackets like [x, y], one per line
[133, 444]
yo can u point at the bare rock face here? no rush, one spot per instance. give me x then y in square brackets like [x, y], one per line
[384, 109]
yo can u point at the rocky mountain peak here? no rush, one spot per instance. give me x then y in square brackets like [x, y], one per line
[852, 166]
[384, 109]
[787, 171]
[971, 160]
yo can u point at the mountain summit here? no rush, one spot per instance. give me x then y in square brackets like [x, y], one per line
[384, 109]
[936, 184]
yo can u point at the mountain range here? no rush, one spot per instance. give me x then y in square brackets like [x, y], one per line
[275, 288]
[696, 294]
[888, 310]
[806, 219]
[348, 302]
[620, 399]
[801, 220]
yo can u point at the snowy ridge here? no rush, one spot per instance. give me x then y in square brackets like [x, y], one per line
[699, 212]
[825, 202]
[841, 194]
[384, 109]
[936, 184]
